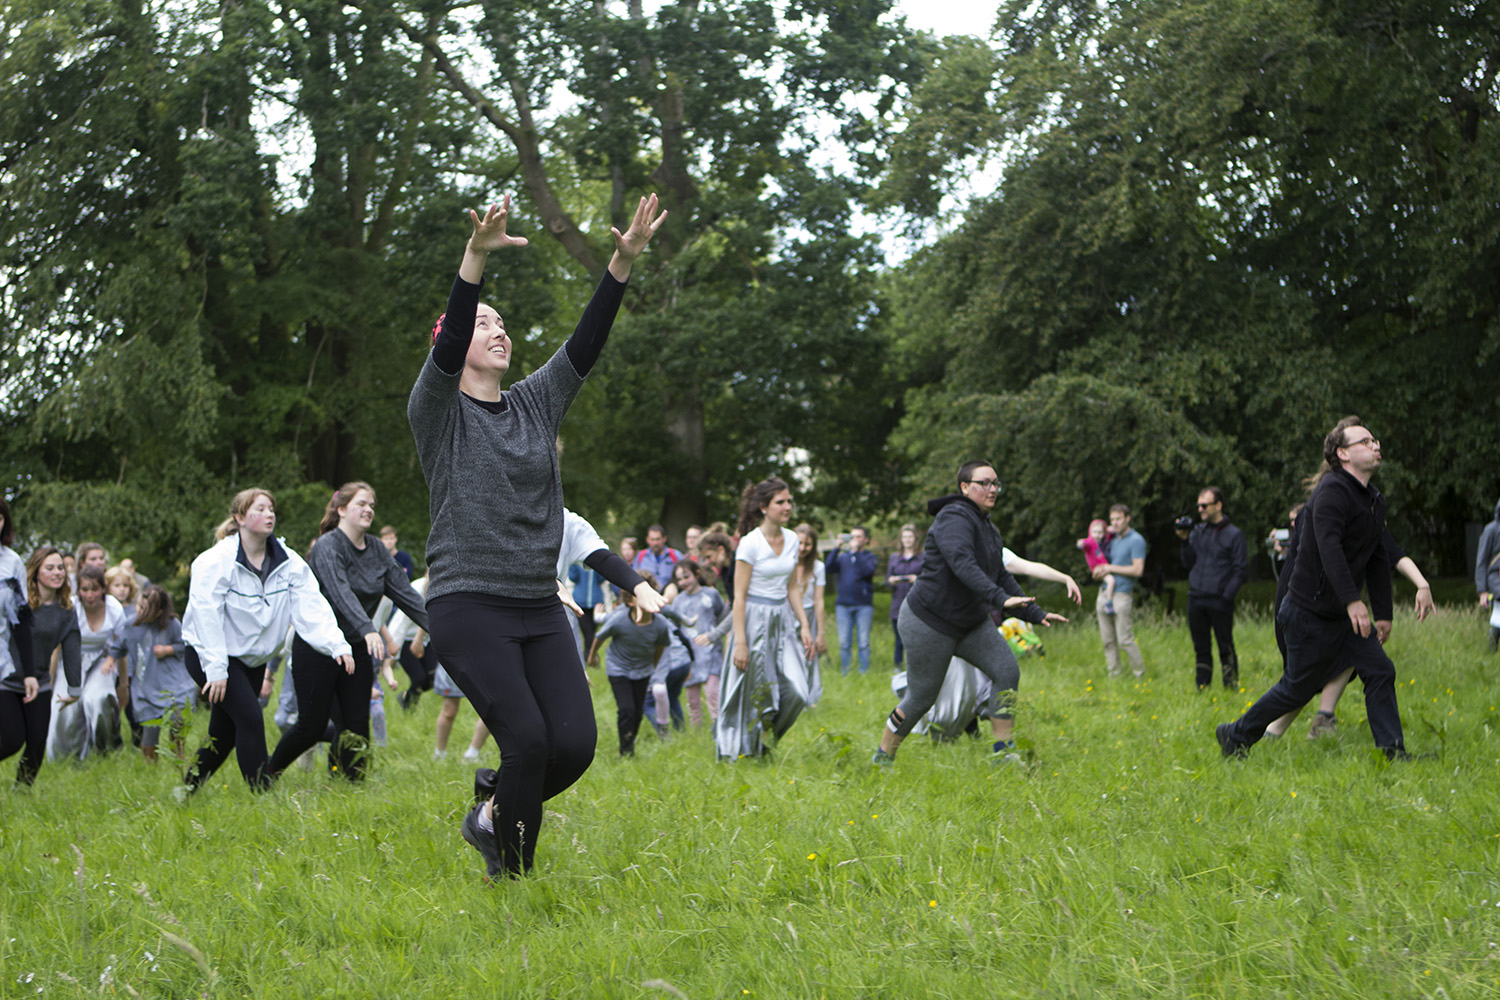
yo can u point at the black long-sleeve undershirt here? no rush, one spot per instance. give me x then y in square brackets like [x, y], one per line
[583, 347]
[614, 569]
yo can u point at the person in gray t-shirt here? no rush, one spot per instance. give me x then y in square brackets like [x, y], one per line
[634, 650]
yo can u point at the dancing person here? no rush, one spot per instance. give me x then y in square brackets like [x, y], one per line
[812, 578]
[767, 689]
[1218, 564]
[54, 627]
[716, 552]
[1487, 575]
[854, 608]
[636, 645]
[490, 460]
[24, 715]
[698, 601]
[901, 571]
[947, 612]
[1095, 549]
[1325, 720]
[1338, 551]
[246, 591]
[91, 725]
[353, 575]
[1127, 563]
[149, 650]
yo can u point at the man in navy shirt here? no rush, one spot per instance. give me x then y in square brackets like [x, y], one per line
[855, 609]
[403, 559]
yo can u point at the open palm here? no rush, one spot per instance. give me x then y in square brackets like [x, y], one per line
[630, 243]
[489, 230]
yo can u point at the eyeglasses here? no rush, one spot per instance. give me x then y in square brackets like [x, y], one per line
[1372, 441]
[986, 484]
[1205, 506]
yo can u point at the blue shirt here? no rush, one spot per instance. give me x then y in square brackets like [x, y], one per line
[1122, 552]
[660, 566]
[586, 591]
[856, 573]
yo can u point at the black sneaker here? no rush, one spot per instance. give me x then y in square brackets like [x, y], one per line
[482, 842]
[1228, 745]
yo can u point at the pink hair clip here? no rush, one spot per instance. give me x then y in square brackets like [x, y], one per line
[437, 327]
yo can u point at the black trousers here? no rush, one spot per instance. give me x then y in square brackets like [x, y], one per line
[587, 626]
[630, 705]
[1317, 649]
[1216, 615]
[235, 723]
[23, 727]
[419, 668]
[323, 685]
[517, 663]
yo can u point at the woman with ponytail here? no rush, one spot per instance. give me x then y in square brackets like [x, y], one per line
[490, 459]
[244, 593]
[353, 575]
[768, 687]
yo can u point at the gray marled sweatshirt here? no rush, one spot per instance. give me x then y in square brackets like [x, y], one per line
[491, 468]
[353, 580]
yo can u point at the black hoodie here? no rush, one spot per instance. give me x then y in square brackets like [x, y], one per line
[963, 571]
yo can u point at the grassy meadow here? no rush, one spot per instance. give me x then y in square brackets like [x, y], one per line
[1124, 859]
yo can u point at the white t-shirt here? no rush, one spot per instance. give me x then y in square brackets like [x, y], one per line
[820, 579]
[769, 572]
[1006, 557]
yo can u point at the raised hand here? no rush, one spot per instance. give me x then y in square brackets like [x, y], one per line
[489, 230]
[629, 244]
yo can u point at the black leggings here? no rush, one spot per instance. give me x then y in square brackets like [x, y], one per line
[23, 726]
[630, 705]
[320, 680]
[419, 668]
[235, 723]
[518, 664]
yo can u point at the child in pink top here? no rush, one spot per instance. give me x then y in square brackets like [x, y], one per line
[1096, 553]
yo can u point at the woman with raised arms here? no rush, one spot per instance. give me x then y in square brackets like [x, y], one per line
[490, 459]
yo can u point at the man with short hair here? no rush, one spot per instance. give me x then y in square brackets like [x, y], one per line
[1336, 551]
[1117, 628]
[1218, 563]
[403, 559]
[854, 611]
[657, 557]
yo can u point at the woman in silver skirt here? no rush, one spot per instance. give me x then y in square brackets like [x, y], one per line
[768, 687]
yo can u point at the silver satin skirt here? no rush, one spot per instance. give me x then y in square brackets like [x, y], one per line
[89, 725]
[814, 670]
[766, 697]
[963, 698]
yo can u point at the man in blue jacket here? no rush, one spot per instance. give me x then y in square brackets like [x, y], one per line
[1218, 563]
[855, 609]
[1337, 551]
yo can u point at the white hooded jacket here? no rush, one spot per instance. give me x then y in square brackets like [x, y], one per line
[234, 611]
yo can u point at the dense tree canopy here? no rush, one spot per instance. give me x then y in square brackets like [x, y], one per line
[1221, 227]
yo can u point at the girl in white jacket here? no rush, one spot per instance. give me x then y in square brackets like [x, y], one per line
[244, 593]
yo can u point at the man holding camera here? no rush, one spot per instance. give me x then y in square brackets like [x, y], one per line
[1218, 563]
[854, 611]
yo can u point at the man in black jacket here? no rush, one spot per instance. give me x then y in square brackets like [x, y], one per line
[1218, 564]
[1327, 627]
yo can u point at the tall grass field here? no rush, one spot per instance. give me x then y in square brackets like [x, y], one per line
[1124, 858]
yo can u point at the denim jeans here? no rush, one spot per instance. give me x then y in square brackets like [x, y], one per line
[849, 619]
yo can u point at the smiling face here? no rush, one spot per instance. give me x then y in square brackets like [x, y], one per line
[359, 513]
[804, 546]
[51, 574]
[982, 487]
[685, 578]
[489, 348]
[259, 518]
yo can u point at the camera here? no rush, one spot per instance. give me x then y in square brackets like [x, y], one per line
[1184, 523]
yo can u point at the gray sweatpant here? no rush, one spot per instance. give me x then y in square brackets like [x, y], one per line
[928, 652]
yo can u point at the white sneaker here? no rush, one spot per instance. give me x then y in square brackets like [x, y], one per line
[471, 755]
[439, 755]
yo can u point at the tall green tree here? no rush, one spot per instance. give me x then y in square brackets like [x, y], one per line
[1221, 227]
